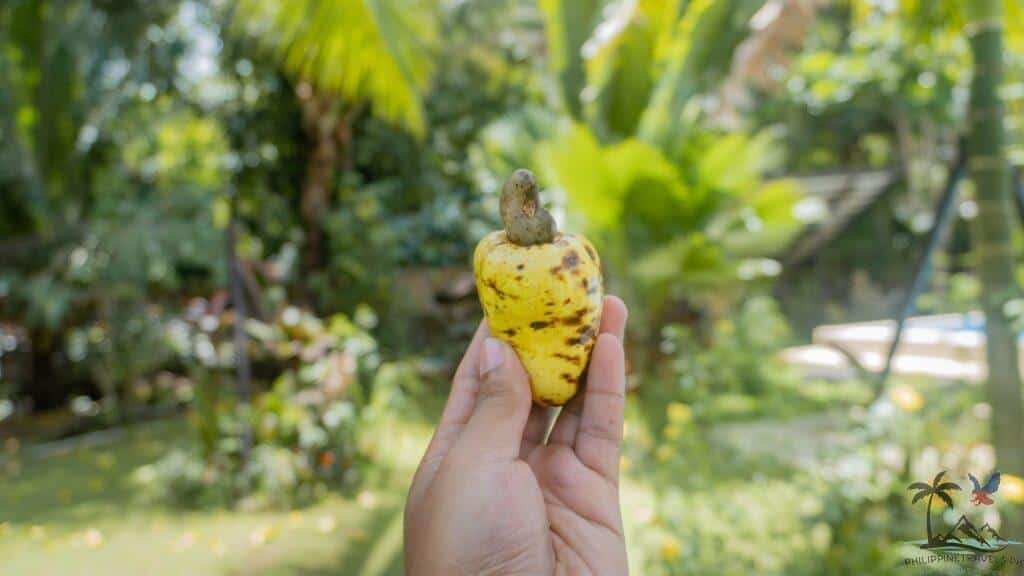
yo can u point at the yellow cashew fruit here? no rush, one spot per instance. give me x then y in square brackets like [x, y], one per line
[541, 291]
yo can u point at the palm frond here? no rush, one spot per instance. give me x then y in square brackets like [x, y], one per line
[362, 50]
[699, 56]
[622, 60]
[919, 486]
[568, 24]
[920, 495]
[938, 477]
[948, 486]
[945, 498]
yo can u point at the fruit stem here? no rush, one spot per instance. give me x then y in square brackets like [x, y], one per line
[526, 221]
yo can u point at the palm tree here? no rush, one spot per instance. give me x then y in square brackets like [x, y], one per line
[347, 56]
[986, 24]
[935, 489]
[993, 243]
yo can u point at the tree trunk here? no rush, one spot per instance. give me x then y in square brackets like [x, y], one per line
[993, 248]
[319, 121]
[928, 517]
[329, 127]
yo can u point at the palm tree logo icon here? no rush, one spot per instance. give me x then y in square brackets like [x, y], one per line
[932, 491]
[963, 536]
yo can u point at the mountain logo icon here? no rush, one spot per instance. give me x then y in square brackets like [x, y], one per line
[964, 537]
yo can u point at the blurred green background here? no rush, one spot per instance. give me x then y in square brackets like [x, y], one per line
[235, 246]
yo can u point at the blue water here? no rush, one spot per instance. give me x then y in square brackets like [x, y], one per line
[965, 323]
[970, 325]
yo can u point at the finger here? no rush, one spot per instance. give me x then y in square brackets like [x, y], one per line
[465, 385]
[456, 412]
[495, 428]
[536, 428]
[613, 321]
[468, 364]
[599, 438]
[613, 317]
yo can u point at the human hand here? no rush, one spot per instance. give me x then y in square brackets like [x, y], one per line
[491, 497]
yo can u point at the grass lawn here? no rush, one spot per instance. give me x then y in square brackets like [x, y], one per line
[75, 513]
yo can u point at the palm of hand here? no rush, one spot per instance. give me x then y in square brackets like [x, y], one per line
[491, 497]
[582, 507]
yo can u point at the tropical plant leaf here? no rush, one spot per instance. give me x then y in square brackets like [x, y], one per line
[568, 24]
[608, 183]
[363, 50]
[689, 263]
[919, 486]
[938, 477]
[920, 495]
[575, 162]
[698, 56]
[621, 59]
[948, 486]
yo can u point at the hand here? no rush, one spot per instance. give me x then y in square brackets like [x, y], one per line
[491, 497]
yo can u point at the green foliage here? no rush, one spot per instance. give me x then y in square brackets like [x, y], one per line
[634, 69]
[732, 371]
[697, 57]
[884, 80]
[304, 428]
[679, 211]
[737, 528]
[424, 188]
[363, 50]
[670, 228]
[106, 222]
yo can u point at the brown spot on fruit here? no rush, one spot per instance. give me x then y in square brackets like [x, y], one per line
[555, 270]
[510, 332]
[566, 301]
[590, 252]
[519, 278]
[586, 334]
[569, 377]
[539, 325]
[571, 260]
[568, 358]
[490, 283]
[576, 318]
[520, 266]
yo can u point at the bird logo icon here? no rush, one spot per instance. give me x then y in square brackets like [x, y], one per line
[982, 495]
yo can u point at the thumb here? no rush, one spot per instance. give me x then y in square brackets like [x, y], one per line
[495, 429]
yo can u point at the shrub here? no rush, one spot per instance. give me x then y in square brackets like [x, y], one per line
[294, 440]
[733, 372]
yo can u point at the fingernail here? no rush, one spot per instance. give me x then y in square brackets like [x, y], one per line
[494, 356]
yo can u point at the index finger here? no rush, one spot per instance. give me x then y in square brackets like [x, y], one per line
[457, 410]
[613, 321]
[599, 438]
